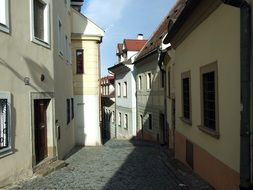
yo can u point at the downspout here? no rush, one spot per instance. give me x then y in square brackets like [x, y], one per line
[161, 55]
[245, 67]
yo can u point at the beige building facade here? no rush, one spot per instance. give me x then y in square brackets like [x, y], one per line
[86, 38]
[204, 96]
[36, 109]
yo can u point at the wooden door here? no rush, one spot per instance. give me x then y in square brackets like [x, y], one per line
[40, 121]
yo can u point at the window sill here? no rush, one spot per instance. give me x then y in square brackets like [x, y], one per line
[6, 152]
[185, 120]
[41, 42]
[211, 132]
[4, 29]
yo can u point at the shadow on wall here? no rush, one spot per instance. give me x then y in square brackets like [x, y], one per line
[156, 128]
[107, 131]
[36, 84]
[80, 115]
[35, 75]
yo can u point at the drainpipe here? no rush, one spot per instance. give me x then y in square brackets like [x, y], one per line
[161, 55]
[245, 67]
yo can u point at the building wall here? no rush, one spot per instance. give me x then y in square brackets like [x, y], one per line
[20, 58]
[126, 105]
[212, 42]
[150, 101]
[86, 91]
[63, 74]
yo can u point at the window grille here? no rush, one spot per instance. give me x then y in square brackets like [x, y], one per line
[4, 124]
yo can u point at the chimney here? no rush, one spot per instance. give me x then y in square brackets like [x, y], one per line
[77, 4]
[140, 37]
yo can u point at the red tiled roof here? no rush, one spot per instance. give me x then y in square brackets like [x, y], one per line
[134, 45]
[156, 39]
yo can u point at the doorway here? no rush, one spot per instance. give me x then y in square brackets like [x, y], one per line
[40, 129]
[163, 129]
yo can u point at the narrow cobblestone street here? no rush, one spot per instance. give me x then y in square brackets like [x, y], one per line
[119, 165]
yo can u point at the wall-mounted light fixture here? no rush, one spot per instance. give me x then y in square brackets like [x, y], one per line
[27, 81]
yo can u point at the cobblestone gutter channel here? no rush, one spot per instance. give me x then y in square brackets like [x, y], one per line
[119, 165]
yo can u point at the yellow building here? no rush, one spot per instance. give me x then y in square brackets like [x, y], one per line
[86, 38]
[209, 97]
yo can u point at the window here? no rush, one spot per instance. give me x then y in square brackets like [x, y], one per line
[68, 111]
[67, 50]
[4, 15]
[209, 97]
[125, 89]
[140, 82]
[186, 97]
[119, 119]
[72, 108]
[149, 81]
[40, 16]
[60, 37]
[141, 122]
[162, 79]
[150, 121]
[79, 61]
[119, 90]
[125, 121]
[5, 125]
[169, 84]
[113, 116]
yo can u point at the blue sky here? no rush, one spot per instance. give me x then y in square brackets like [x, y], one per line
[124, 19]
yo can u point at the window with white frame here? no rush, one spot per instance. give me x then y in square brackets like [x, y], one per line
[139, 82]
[67, 50]
[119, 90]
[4, 15]
[119, 119]
[113, 117]
[60, 37]
[125, 121]
[149, 81]
[40, 17]
[5, 125]
[125, 89]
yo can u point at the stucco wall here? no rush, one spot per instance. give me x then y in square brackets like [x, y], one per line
[63, 79]
[126, 105]
[87, 92]
[19, 58]
[217, 39]
[150, 101]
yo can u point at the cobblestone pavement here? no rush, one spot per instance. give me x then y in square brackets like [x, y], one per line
[119, 165]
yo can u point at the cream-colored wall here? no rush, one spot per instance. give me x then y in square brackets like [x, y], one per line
[19, 58]
[88, 83]
[63, 79]
[216, 39]
[150, 101]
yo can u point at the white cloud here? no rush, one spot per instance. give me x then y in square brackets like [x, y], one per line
[106, 12]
